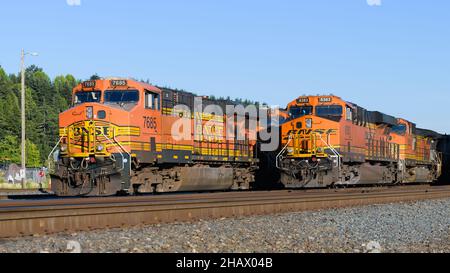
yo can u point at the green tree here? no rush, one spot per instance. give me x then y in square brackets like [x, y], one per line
[5, 83]
[41, 84]
[9, 116]
[33, 155]
[44, 101]
[95, 77]
[10, 149]
[64, 85]
[33, 116]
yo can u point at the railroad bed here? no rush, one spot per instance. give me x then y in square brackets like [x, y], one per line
[32, 217]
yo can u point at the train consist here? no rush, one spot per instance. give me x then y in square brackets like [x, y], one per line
[118, 137]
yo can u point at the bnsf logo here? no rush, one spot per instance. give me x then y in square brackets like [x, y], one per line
[99, 131]
[308, 132]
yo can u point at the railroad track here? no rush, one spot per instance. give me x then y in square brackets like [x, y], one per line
[31, 217]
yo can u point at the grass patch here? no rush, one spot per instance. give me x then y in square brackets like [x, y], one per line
[29, 185]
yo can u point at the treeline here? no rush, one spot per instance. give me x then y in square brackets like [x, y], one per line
[45, 99]
[244, 102]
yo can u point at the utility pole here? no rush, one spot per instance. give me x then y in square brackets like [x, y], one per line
[24, 165]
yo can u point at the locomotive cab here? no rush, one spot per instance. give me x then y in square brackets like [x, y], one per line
[311, 127]
[309, 139]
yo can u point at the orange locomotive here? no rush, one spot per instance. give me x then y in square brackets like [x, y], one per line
[118, 137]
[328, 141]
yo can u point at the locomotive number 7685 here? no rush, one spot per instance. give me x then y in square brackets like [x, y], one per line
[150, 123]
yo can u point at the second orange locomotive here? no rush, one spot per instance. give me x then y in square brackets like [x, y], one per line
[328, 141]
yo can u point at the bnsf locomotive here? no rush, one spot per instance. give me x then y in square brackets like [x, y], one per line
[328, 141]
[117, 138]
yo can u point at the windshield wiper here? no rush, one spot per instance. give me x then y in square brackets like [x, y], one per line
[119, 102]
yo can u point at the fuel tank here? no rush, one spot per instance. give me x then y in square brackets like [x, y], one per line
[206, 178]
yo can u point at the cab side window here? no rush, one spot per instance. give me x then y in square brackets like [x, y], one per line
[152, 101]
[348, 113]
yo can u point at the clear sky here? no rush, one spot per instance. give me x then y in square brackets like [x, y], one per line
[387, 55]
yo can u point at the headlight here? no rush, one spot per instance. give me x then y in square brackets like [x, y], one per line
[90, 112]
[100, 148]
[290, 150]
[63, 148]
[308, 123]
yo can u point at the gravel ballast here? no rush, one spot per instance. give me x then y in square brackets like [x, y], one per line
[404, 227]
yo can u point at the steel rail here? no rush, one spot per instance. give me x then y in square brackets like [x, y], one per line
[36, 200]
[72, 215]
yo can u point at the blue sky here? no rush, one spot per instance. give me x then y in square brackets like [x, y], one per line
[393, 57]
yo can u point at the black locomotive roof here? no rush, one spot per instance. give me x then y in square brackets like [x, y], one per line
[381, 118]
[363, 115]
[427, 133]
[176, 96]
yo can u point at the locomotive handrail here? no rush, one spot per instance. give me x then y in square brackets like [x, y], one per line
[335, 152]
[438, 157]
[282, 152]
[54, 148]
[121, 147]
[402, 168]
[121, 154]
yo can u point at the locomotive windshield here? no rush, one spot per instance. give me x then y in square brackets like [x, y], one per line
[84, 97]
[121, 96]
[329, 110]
[399, 129]
[300, 111]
